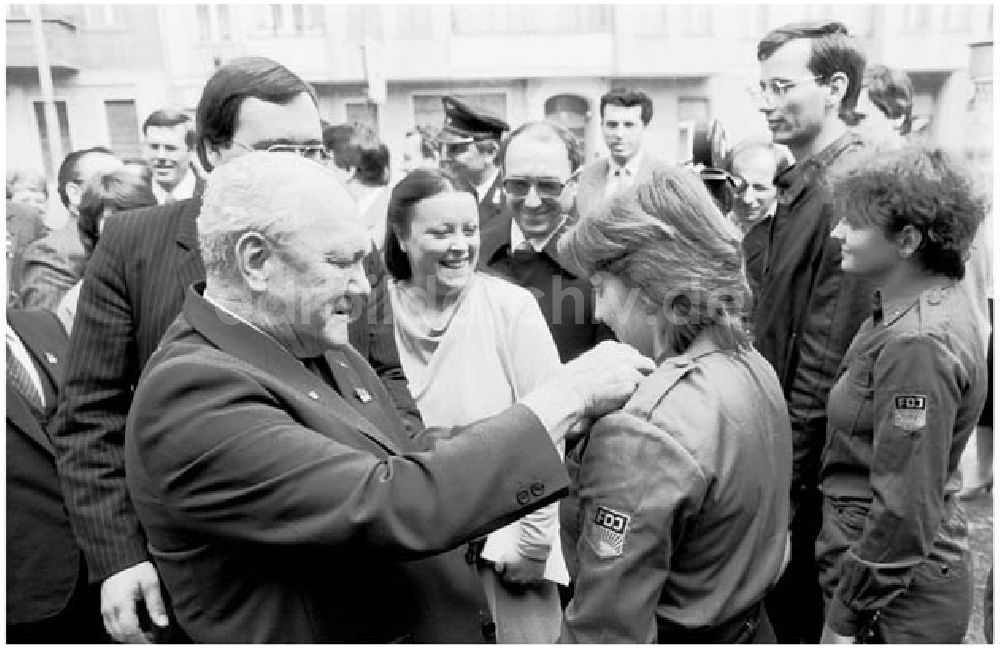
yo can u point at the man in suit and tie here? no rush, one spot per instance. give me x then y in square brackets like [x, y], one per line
[625, 115]
[282, 498]
[470, 141]
[48, 596]
[133, 289]
[54, 263]
[538, 160]
[168, 142]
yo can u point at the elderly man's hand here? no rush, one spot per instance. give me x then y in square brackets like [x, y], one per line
[605, 377]
[119, 594]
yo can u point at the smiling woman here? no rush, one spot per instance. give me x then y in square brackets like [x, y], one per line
[471, 344]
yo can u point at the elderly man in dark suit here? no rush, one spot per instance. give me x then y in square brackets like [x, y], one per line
[48, 597]
[133, 289]
[470, 141]
[538, 160]
[282, 498]
[54, 263]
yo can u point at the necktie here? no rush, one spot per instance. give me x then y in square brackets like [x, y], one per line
[18, 376]
[614, 183]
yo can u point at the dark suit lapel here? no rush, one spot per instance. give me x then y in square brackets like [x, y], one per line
[494, 236]
[46, 343]
[190, 268]
[491, 205]
[245, 342]
[21, 416]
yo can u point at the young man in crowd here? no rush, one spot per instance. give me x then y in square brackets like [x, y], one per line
[168, 142]
[625, 116]
[807, 310]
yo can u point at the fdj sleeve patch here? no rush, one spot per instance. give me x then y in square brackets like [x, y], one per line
[909, 411]
[607, 533]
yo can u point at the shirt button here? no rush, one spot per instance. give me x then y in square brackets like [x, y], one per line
[523, 497]
[537, 488]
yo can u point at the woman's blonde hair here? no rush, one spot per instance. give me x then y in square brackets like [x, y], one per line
[666, 238]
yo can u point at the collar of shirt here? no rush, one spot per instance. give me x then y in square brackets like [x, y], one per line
[24, 357]
[484, 189]
[236, 316]
[517, 238]
[183, 190]
[801, 175]
[630, 169]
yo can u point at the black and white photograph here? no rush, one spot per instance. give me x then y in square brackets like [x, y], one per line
[494, 323]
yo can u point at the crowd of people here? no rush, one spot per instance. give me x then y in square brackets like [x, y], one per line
[259, 392]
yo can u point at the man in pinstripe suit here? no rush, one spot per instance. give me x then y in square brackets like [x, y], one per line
[133, 289]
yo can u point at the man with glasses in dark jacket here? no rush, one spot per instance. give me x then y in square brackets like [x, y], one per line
[807, 310]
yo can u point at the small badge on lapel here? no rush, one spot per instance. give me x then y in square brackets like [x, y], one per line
[51, 358]
[910, 411]
[363, 395]
[313, 395]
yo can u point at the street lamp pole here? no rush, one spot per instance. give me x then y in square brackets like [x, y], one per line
[45, 81]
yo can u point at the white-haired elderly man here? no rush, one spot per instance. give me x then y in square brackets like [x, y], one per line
[282, 499]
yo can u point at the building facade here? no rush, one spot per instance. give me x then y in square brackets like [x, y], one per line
[388, 65]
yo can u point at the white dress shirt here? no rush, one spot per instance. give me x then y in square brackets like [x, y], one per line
[183, 190]
[622, 176]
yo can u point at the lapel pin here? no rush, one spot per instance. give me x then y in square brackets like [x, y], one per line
[313, 394]
[363, 395]
[51, 358]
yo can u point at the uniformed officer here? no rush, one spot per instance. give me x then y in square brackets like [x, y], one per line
[677, 519]
[470, 141]
[893, 552]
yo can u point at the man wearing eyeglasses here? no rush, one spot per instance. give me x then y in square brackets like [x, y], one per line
[133, 289]
[807, 310]
[54, 264]
[538, 161]
[470, 140]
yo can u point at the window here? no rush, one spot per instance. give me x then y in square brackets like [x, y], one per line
[43, 133]
[690, 111]
[696, 20]
[287, 19]
[415, 22]
[123, 128]
[17, 12]
[916, 18]
[650, 19]
[364, 22]
[428, 111]
[100, 16]
[213, 22]
[956, 19]
[364, 113]
[469, 20]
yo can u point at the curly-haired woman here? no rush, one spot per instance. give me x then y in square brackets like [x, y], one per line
[893, 552]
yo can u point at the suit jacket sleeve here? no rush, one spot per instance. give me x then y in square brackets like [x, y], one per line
[88, 429]
[226, 458]
[632, 515]
[46, 276]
